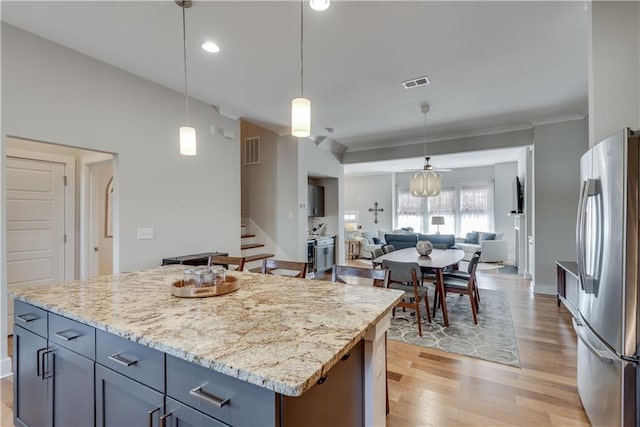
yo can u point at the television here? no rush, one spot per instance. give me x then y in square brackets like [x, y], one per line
[518, 196]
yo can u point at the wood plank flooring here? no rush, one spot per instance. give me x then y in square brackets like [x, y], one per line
[433, 388]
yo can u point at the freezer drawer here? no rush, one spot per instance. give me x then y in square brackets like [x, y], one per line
[600, 380]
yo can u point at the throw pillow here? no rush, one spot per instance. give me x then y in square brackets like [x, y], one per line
[376, 241]
[472, 238]
[487, 236]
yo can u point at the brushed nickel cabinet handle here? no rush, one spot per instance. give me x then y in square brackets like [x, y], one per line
[121, 360]
[45, 375]
[201, 394]
[163, 419]
[38, 361]
[151, 412]
[28, 317]
[67, 335]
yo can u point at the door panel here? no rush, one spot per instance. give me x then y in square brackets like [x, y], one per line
[28, 385]
[601, 302]
[35, 223]
[73, 391]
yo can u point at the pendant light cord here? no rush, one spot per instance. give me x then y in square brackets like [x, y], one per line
[184, 40]
[425, 137]
[301, 50]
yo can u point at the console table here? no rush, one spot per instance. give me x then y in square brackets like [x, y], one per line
[352, 248]
[568, 282]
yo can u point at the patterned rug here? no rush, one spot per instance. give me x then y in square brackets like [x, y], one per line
[492, 339]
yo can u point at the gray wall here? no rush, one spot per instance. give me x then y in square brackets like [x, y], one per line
[51, 93]
[287, 216]
[558, 148]
[614, 69]
[259, 181]
[361, 192]
[505, 174]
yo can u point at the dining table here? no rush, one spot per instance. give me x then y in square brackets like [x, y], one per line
[437, 260]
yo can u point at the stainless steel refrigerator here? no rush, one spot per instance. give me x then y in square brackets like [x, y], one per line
[607, 251]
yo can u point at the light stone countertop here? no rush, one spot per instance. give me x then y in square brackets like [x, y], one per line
[279, 333]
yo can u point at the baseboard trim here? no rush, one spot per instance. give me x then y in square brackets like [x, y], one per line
[545, 289]
[5, 367]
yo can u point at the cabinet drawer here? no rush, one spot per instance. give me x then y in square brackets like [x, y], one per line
[134, 360]
[72, 335]
[178, 415]
[229, 400]
[31, 318]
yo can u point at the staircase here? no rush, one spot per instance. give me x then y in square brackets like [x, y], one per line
[253, 251]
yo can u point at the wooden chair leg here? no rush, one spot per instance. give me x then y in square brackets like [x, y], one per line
[473, 308]
[426, 306]
[418, 317]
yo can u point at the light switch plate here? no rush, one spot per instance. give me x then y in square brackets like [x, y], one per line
[145, 233]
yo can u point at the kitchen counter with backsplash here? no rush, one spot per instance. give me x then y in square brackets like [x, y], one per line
[278, 333]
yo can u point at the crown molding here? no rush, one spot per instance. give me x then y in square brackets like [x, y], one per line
[557, 119]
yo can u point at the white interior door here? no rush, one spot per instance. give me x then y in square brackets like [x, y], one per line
[101, 176]
[35, 223]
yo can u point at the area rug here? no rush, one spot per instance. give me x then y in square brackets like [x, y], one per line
[492, 339]
[509, 269]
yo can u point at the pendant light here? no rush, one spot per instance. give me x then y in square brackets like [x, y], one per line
[187, 133]
[319, 5]
[301, 107]
[427, 182]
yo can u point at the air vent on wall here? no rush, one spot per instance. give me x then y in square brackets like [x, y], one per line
[420, 81]
[252, 150]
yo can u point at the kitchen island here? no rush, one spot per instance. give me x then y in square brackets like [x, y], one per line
[266, 351]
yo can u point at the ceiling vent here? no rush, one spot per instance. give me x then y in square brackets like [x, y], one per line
[420, 81]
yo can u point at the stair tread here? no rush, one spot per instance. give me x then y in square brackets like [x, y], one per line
[244, 236]
[257, 257]
[251, 246]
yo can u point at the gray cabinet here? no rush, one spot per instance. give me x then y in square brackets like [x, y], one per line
[54, 385]
[71, 385]
[121, 401]
[31, 403]
[325, 254]
[315, 200]
[179, 415]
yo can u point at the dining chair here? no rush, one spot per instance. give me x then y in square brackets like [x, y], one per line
[463, 287]
[284, 268]
[464, 275]
[404, 276]
[227, 261]
[340, 274]
[376, 253]
[388, 248]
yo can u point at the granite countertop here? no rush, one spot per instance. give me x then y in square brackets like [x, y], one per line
[279, 333]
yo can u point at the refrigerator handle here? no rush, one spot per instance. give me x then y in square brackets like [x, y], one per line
[590, 346]
[580, 231]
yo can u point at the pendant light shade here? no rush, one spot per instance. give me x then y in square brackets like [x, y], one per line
[427, 182]
[301, 107]
[301, 117]
[187, 133]
[187, 141]
[319, 5]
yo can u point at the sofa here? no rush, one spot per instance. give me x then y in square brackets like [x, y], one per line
[492, 245]
[367, 240]
[409, 240]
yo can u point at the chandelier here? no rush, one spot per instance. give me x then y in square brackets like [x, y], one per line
[427, 182]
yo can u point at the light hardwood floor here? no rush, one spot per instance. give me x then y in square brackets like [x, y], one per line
[433, 388]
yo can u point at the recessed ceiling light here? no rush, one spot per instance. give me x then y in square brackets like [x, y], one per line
[211, 47]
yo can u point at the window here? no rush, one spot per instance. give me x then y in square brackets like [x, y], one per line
[474, 209]
[465, 208]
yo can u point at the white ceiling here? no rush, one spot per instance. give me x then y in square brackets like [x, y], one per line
[491, 64]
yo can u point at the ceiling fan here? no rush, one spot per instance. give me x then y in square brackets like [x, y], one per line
[429, 167]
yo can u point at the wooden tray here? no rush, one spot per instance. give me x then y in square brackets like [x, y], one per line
[231, 284]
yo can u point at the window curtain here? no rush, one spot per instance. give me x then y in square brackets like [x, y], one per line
[476, 208]
[444, 204]
[410, 210]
